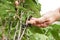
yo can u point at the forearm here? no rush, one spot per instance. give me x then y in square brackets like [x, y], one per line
[58, 11]
[52, 14]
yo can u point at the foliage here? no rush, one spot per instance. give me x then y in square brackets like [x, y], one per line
[11, 22]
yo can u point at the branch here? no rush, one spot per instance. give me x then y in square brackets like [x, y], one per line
[20, 25]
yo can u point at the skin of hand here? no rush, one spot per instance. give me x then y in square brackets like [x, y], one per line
[46, 19]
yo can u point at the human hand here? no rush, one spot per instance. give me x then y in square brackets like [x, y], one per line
[46, 19]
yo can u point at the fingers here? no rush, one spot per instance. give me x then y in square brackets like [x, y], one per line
[33, 22]
[42, 19]
[33, 18]
[41, 22]
[42, 25]
[37, 22]
[47, 22]
[30, 22]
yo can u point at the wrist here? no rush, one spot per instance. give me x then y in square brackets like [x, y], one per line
[58, 17]
[58, 14]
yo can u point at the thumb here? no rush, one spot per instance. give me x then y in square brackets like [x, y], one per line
[41, 20]
[33, 18]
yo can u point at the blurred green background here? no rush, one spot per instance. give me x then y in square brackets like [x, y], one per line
[12, 17]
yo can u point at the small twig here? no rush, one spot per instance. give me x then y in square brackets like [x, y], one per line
[16, 30]
[27, 35]
[3, 30]
[17, 16]
[23, 33]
